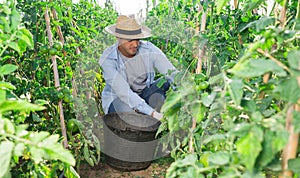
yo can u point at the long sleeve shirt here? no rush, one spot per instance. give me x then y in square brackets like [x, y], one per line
[114, 72]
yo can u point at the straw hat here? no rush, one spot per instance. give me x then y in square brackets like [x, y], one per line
[128, 28]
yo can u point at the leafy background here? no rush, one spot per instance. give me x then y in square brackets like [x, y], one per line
[236, 97]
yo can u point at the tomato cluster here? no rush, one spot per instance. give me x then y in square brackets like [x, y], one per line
[53, 50]
[201, 82]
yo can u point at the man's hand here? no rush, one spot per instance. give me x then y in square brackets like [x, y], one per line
[157, 115]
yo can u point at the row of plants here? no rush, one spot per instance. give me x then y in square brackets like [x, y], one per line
[240, 113]
[18, 143]
[49, 53]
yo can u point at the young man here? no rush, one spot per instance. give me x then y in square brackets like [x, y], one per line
[129, 68]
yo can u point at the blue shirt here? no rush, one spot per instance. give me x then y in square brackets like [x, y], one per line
[114, 73]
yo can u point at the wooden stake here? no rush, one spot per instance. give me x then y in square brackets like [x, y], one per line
[200, 54]
[235, 4]
[290, 150]
[56, 81]
[282, 15]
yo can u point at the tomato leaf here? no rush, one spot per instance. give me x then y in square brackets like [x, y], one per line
[220, 4]
[14, 46]
[272, 144]
[15, 19]
[198, 111]
[250, 146]
[256, 67]
[19, 105]
[6, 85]
[294, 165]
[7, 69]
[235, 89]
[293, 59]
[171, 100]
[6, 148]
[219, 158]
[288, 90]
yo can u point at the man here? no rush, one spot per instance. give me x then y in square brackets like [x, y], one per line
[129, 68]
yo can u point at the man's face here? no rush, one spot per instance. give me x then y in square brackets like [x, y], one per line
[128, 47]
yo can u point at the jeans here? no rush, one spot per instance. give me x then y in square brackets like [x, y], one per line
[153, 95]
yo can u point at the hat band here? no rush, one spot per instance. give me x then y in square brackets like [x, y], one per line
[127, 32]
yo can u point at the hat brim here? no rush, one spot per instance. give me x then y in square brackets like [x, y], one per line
[145, 33]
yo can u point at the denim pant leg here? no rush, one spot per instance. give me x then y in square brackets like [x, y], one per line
[154, 95]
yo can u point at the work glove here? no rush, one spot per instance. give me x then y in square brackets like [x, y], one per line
[157, 115]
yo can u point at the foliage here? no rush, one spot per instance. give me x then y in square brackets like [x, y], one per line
[240, 117]
[32, 80]
[81, 25]
[43, 151]
[249, 79]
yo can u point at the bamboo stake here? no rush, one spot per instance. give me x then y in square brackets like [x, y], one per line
[56, 81]
[200, 56]
[282, 15]
[290, 150]
[62, 40]
[235, 4]
[57, 27]
[202, 51]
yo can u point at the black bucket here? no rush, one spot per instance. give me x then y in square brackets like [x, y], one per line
[129, 140]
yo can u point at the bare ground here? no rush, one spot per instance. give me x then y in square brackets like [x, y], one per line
[157, 169]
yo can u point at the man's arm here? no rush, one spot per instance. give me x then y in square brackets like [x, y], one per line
[122, 89]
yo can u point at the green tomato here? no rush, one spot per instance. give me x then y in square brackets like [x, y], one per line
[53, 51]
[203, 85]
[200, 78]
[67, 99]
[72, 126]
[58, 46]
[60, 95]
[44, 49]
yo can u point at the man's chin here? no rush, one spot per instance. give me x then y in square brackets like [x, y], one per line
[133, 53]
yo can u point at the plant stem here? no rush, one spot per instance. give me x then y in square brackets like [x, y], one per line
[17, 138]
[273, 59]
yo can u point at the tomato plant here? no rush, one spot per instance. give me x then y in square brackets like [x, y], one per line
[236, 89]
[249, 79]
[21, 147]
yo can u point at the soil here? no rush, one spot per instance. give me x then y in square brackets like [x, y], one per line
[157, 169]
